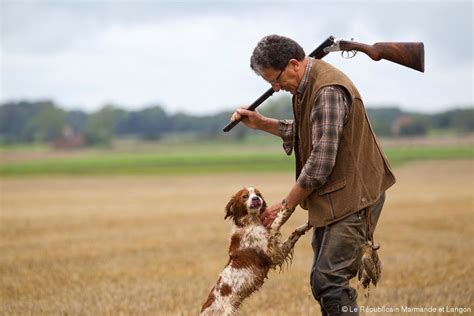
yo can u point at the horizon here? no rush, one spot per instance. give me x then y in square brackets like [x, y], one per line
[453, 107]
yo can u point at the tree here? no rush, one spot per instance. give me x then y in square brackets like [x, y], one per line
[154, 122]
[461, 120]
[150, 123]
[13, 120]
[77, 120]
[417, 126]
[19, 122]
[382, 119]
[47, 124]
[100, 126]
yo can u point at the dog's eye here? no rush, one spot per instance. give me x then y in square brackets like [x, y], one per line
[245, 197]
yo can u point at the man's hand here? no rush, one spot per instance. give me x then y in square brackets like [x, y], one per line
[269, 215]
[251, 119]
[255, 120]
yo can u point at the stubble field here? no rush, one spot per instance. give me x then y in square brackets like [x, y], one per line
[154, 245]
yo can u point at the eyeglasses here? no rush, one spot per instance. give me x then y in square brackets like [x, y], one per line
[277, 79]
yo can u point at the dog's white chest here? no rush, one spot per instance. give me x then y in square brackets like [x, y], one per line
[254, 236]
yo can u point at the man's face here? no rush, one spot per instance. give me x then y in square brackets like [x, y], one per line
[286, 79]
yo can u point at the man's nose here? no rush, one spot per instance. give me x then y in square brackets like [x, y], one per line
[276, 87]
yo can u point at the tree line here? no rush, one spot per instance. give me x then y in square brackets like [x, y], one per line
[45, 121]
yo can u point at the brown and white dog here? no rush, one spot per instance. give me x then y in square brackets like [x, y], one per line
[253, 251]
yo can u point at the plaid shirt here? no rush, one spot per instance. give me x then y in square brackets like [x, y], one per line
[327, 118]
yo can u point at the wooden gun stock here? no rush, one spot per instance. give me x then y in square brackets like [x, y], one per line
[409, 54]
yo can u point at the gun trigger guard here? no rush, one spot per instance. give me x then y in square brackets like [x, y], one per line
[347, 54]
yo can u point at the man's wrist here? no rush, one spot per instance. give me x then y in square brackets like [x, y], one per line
[269, 125]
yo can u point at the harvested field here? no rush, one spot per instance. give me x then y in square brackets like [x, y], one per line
[155, 245]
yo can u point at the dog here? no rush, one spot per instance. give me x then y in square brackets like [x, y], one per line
[253, 251]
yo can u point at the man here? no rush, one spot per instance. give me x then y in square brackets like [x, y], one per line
[341, 171]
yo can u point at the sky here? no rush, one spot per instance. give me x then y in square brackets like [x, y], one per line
[193, 56]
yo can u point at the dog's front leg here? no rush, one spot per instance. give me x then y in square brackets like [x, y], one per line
[289, 244]
[283, 215]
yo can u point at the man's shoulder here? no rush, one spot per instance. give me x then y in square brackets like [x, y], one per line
[332, 91]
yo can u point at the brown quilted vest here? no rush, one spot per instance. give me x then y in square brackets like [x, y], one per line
[361, 173]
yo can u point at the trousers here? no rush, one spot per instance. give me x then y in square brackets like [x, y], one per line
[337, 256]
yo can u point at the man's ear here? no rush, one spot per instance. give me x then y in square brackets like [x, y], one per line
[229, 209]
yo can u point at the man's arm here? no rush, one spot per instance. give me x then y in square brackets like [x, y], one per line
[327, 118]
[293, 198]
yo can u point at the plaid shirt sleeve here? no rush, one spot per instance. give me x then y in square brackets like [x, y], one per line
[327, 119]
[286, 129]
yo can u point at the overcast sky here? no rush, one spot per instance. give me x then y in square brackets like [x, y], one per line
[193, 56]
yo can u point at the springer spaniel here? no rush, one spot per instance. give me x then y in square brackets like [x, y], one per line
[253, 251]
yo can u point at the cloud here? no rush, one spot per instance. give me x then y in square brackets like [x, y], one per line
[194, 57]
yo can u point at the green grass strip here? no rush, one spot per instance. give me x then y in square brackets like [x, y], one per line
[192, 163]
[151, 163]
[400, 155]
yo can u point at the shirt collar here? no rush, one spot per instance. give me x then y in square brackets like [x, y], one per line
[304, 81]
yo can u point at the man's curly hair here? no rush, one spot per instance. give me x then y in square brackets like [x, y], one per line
[275, 51]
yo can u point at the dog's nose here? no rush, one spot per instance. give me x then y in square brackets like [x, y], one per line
[255, 198]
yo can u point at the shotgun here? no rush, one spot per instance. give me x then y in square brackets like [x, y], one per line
[409, 54]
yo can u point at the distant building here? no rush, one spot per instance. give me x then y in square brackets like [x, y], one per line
[69, 139]
[399, 123]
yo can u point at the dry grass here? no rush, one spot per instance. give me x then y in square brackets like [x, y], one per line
[155, 245]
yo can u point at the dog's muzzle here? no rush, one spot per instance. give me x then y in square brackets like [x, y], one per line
[256, 202]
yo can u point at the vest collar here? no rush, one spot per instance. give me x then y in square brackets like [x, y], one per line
[304, 82]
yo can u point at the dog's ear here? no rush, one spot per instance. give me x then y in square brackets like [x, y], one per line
[264, 206]
[229, 209]
[264, 203]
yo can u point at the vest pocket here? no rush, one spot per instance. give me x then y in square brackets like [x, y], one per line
[331, 187]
